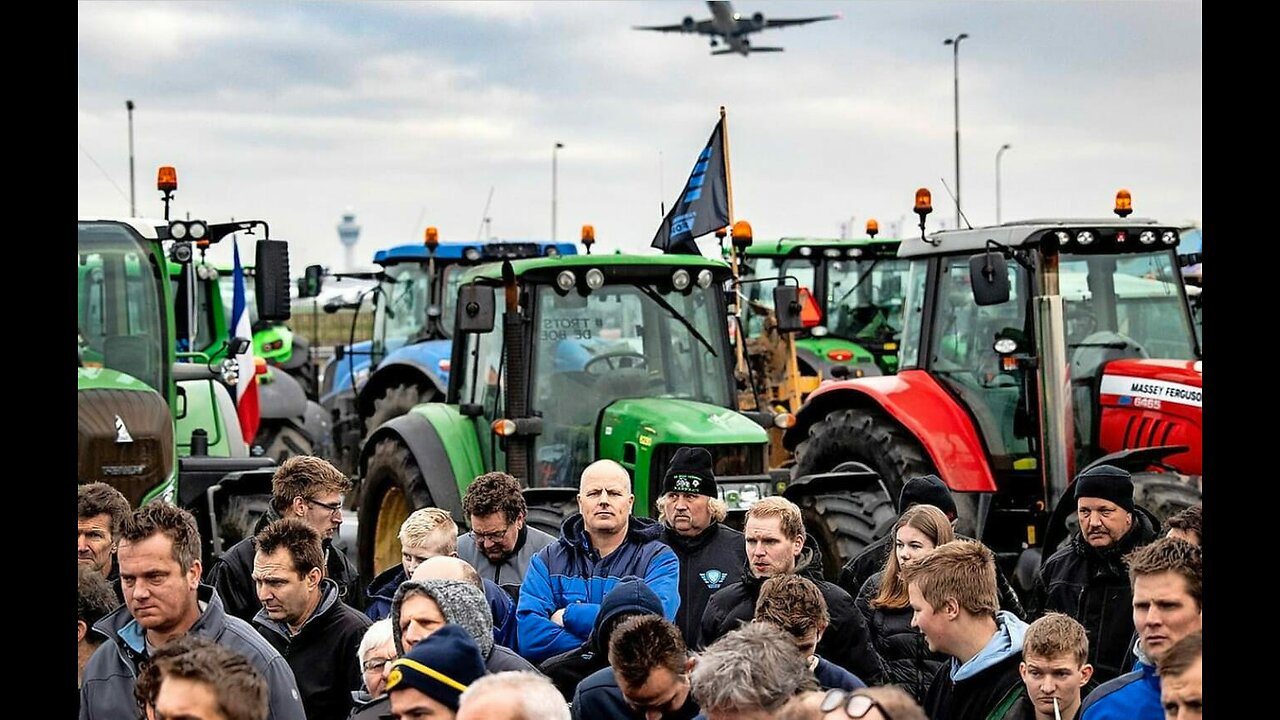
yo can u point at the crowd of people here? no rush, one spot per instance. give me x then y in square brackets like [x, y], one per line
[625, 617]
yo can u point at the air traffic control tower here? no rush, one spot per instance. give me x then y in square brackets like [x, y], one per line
[348, 234]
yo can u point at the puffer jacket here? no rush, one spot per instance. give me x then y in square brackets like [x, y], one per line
[1092, 586]
[570, 574]
[904, 653]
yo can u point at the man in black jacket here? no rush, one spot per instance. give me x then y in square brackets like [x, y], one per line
[712, 554]
[775, 545]
[305, 487]
[303, 618]
[1087, 579]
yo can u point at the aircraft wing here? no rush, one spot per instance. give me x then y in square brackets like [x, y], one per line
[702, 27]
[787, 22]
[750, 49]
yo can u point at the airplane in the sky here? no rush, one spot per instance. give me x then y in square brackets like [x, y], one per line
[733, 28]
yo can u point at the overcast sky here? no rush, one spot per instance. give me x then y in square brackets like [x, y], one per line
[409, 112]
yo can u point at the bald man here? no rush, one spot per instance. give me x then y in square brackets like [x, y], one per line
[501, 606]
[566, 581]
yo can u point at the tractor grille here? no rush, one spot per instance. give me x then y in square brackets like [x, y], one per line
[729, 461]
[134, 468]
[1149, 432]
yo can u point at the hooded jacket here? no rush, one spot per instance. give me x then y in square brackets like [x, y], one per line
[501, 606]
[570, 574]
[1093, 587]
[462, 604]
[511, 571]
[904, 652]
[988, 684]
[323, 654]
[708, 562]
[846, 641]
[1132, 696]
[629, 597]
[110, 674]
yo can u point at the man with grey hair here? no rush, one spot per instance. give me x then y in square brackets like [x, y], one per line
[712, 554]
[421, 607]
[376, 653]
[749, 674]
[512, 696]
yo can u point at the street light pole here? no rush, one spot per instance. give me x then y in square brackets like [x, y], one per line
[554, 150]
[955, 46]
[133, 207]
[998, 154]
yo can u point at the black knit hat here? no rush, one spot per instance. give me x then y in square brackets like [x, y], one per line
[441, 665]
[691, 471]
[1106, 482]
[927, 490]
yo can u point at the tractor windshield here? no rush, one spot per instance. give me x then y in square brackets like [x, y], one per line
[227, 287]
[450, 277]
[620, 341]
[402, 306]
[864, 297]
[121, 319]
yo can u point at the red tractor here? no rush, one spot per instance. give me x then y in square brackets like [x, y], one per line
[1029, 350]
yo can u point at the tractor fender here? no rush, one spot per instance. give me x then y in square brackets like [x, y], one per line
[282, 398]
[401, 368]
[847, 477]
[916, 402]
[426, 436]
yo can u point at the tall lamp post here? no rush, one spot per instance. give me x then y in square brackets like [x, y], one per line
[133, 207]
[554, 150]
[955, 46]
[998, 154]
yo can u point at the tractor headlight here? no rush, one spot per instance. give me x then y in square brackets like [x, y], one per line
[680, 279]
[1147, 237]
[595, 279]
[565, 280]
[1169, 237]
[704, 278]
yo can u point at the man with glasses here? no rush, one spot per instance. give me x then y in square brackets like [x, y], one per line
[500, 544]
[308, 488]
[376, 653]
[888, 702]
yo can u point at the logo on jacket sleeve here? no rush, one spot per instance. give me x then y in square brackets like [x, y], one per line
[713, 578]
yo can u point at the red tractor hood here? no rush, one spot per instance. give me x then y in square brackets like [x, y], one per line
[1147, 403]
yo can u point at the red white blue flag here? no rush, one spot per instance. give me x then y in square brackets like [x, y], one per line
[247, 385]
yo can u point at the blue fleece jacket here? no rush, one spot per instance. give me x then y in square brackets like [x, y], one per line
[1132, 696]
[570, 574]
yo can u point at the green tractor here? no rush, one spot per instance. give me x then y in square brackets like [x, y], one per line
[625, 357]
[858, 286]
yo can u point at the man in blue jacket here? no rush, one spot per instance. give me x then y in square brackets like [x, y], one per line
[567, 580]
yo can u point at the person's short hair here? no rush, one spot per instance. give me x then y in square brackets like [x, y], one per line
[933, 523]
[378, 633]
[298, 538]
[787, 512]
[494, 492]
[1170, 555]
[305, 476]
[892, 699]
[1056, 634]
[961, 569]
[96, 600]
[719, 509]
[793, 603]
[169, 520]
[1188, 520]
[538, 699]
[240, 690]
[430, 527]
[643, 643]
[756, 666]
[1181, 655]
[99, 498]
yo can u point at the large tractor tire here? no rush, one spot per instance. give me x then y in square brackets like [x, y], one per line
[868, 437]
[393, 487]
[844, 524]
[1164, 494]
[547, 517]
[396, 401]
[283, 441]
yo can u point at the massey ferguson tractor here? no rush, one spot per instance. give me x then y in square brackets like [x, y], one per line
[1029, 350]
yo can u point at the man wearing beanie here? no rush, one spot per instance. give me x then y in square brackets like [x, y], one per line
[920, 490]
[428, 680]
[421, 607]
[711, 554]
[1087, 578]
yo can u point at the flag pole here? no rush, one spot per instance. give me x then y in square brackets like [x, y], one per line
[740, 367]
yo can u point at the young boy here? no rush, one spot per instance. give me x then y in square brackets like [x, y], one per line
[1053, 668]
[952, 590]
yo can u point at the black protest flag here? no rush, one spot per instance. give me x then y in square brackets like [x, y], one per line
[703, 205]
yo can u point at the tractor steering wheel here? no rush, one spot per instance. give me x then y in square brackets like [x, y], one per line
[608, 359]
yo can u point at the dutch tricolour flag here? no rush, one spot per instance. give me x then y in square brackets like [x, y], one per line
[247, 385]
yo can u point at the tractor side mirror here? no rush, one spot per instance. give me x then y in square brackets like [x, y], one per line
[312, 279]
[989, 278]
[475, 309]
[786, 304]
[272, 280]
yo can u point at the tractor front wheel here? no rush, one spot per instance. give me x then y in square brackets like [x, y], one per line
[547, 517]
[396, 401]
[393, 487]
[845, 523]
[1164, 494]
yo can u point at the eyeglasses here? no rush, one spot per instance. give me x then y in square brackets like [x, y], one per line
[490, 537]
[376, 664]
[855, 705]
[335, 508]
